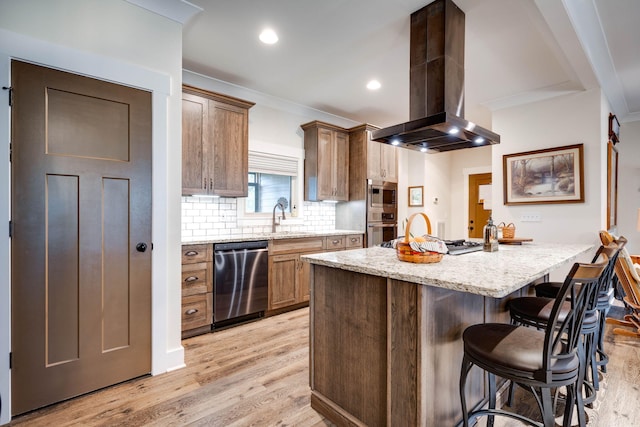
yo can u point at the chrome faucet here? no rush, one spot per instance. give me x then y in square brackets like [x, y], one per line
[273, 219]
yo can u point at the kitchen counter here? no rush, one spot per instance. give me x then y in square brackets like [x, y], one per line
[492, 274]
[272, 236]
[386, 346]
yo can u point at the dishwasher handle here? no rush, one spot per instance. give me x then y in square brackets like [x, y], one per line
[258, 244]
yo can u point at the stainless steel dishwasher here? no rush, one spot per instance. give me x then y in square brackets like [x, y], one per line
[240, 281]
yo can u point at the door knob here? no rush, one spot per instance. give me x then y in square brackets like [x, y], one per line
[141, 247]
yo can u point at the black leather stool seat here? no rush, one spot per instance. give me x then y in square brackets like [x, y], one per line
[516, 352]
[548, 289]
[535, 311]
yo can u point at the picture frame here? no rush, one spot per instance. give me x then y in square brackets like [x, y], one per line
[612, 185]
[614, 129]
[551, 175]
[416, 198]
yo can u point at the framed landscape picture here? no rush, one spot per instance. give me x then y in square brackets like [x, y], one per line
[552, 175]
[415, 196]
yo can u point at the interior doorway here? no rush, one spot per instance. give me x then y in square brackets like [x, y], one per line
[478, 215]
[81, 244]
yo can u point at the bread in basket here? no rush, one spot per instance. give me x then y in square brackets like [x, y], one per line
[422, 249]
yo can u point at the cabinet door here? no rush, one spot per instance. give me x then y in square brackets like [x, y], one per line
[388, 162]
[195, 122]
[230, 168]
[304, 289]
[374, 168]
[283, 280]
[340, 166]
[326, 171]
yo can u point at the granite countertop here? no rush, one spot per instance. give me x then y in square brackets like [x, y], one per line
[492, 274]
[272, 236]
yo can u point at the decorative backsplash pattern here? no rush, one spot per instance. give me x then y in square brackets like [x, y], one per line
[209, 218]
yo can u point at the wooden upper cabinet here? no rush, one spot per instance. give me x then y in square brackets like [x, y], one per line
[369, 160]
[382, 163]
[215, 143]
[195, 119]
[326, 163]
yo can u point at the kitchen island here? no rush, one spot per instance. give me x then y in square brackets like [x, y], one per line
[385, 346]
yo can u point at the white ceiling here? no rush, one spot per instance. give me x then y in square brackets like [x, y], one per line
[517, 51]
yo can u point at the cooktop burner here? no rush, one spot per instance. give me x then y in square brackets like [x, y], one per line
[457, 247]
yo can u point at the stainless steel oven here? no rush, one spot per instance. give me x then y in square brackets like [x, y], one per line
[377, 233]
[382, 195]
[382, 211]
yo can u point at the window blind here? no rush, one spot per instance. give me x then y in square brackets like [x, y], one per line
[272, 164]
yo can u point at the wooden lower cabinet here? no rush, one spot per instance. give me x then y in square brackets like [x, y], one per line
[289, 276]
[197, 287]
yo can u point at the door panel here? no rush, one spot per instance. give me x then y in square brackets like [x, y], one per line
[81, 201]
[478, 216]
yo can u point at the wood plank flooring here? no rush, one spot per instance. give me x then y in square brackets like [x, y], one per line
[257, 374]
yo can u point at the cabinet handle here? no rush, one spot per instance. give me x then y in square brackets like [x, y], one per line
[335, 242]
[204, 184]
[191, 279]
[191, 253]
[354, 239]
[210, 183]
[191, 311]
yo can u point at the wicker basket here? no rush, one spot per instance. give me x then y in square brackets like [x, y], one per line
[404, 251]
[508, 230]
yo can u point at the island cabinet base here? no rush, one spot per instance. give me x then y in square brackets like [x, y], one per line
[388, 352]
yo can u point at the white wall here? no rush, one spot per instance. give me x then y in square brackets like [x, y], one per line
[119, 42]
[629, 184]
[573, 119]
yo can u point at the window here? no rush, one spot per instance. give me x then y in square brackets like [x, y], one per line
[272, 179]
[265, 190]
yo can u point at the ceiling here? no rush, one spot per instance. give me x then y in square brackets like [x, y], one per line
[516, 52]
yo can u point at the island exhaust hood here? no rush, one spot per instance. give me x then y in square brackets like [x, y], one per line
[436, 86]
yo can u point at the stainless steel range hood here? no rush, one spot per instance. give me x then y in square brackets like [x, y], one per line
[436, 84]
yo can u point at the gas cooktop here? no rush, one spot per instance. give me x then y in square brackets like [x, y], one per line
[457, 247]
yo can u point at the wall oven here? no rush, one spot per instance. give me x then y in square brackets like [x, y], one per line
[382, 211]
[382, 195]
[380, 232]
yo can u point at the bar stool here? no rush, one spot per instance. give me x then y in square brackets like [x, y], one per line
[603, 304]
[537, 360]
[534, 311]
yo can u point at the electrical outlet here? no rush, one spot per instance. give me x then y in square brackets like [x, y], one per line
[531, 217]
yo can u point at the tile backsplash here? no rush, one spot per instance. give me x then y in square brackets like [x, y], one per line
[209, 218]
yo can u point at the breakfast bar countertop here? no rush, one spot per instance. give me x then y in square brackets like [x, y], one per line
[492, 274]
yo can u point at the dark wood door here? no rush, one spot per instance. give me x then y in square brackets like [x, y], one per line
[81, 209]
[478, 215]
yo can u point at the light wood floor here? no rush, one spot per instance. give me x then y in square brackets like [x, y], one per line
[257, 375]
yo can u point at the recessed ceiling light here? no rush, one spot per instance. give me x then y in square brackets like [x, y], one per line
[395, 142]
[373, 85]
[268, 36]
[423, 149]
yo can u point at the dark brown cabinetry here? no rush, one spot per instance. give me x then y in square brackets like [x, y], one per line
[197, 287]
[215, 141]
[369, 160]
[326, 164]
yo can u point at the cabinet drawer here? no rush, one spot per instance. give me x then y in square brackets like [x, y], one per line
[354, 241]
[334, 243]
[197, 253]
[197, 311]
[283, 246]
[196, 278]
